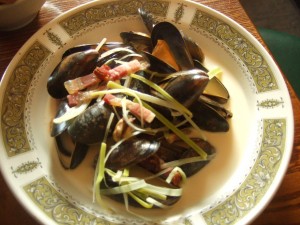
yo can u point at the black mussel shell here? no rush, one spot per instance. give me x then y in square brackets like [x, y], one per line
[207, 118]
[139, 41]
[157, 65]
[187, 86]
[172, 36]
[89, 127]
[192, 168]
[73, 66]
[131, 152]
[147, 18]
[70, 158]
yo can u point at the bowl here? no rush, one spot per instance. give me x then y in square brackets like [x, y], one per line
[18, 14]
[250, 160]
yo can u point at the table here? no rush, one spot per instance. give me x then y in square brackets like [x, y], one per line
[285, 206]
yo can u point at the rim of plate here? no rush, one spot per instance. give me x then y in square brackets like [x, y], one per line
[257, 209]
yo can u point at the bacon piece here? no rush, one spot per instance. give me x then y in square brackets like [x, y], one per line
[81, 83]
[106, 73]
[133, 107]
[73, 100]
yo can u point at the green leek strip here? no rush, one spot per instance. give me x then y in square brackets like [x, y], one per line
[165, 94]
[100, 169]
[124, 188]
[215, 72]
[178, 132]
[72, 112]
[156, 203]
[181, 108]
[140, 201]
[100, 172]
[175, 192]
[117, 88]
[152, 193]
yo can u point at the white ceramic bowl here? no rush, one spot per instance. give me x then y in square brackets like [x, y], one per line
[18, 14]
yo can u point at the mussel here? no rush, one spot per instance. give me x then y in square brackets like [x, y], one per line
[193, 48]
[89, 127]
[132, 152]
[72, 66]
[207, 118]
[187, 86]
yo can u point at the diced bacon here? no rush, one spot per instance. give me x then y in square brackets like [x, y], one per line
[139, 111]
[73, 100]
[102, 72]
[105, 73]
[135, 108]
[112, 100]
[81, 83]
[80, 97]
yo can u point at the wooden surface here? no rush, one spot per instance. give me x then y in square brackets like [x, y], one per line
[284, 209]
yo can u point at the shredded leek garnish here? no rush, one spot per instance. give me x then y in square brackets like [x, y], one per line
[125, 188]
[72, 112]
[178, 132]
[180, 108]
[140, 201]
[100, 168]
[166, 95]
[99, 175]
[156, 203]
[117, 88]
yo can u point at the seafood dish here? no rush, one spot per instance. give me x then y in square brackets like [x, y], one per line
[145, 101]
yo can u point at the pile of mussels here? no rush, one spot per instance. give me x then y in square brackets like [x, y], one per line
[165, 59]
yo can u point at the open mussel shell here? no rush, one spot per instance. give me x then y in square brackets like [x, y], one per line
[79, 48]
[139, 41]
[194, 49]
[187, 86]
[216, 90]
[207, 118]
[89, 127]
[171, 35]
[216, 105]
[73, 66]
[180, 150]
[131, 152]
[147, 18]
[157, 65]
[72, 156]
[192, 168]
